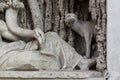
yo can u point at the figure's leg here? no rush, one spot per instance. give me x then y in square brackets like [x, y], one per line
[85, 63]
[73, 58]
[88, 38]
[5, 33]
[68, 56]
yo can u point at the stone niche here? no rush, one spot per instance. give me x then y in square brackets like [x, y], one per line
[37, 43]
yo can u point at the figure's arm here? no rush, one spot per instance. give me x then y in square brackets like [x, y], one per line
[5, 33]
[11, 21]
[8, 35]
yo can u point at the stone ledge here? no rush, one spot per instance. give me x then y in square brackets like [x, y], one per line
[58, 79]
[50, 75]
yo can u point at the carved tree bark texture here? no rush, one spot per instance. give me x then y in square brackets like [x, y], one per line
[36, 14]
[51, 13]
[99, 14]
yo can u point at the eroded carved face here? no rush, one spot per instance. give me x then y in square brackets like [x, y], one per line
[70, 19]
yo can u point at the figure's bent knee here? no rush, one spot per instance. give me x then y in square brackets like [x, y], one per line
[51, 34]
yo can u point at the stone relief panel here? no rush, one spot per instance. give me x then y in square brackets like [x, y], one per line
[39, 46]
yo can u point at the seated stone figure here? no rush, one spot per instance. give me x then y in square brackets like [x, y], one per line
[34, 50]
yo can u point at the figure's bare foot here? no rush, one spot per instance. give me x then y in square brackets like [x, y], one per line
[84, 64]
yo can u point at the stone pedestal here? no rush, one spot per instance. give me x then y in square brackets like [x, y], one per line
[50, 75]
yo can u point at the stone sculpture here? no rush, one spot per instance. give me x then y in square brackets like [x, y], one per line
[83, 28]
[32, 49]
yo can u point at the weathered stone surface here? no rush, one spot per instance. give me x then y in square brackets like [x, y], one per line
[58, 79]
[113, 40]
[48, 54]
[28, 60]
[52, 53]
[50, 74]
[56, 54]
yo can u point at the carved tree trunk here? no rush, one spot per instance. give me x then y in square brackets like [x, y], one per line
[99, 15]
[51, 13]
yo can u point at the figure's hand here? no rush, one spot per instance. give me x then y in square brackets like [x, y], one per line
[39, 35]
[18, 5]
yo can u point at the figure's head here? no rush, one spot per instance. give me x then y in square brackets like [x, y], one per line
[70, 19]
